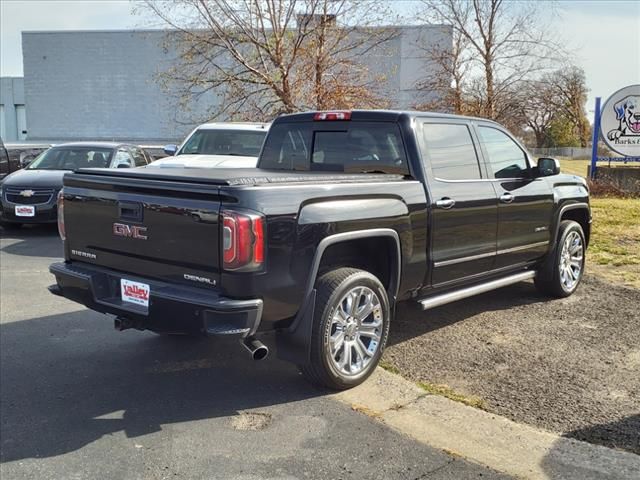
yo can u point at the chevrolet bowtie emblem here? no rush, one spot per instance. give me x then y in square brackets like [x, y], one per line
[27, 193]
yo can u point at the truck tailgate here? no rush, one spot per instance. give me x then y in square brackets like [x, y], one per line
[151, 228]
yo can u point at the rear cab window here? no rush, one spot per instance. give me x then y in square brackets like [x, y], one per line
[336, 146]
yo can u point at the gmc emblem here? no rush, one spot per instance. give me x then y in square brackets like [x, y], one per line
[130, 231]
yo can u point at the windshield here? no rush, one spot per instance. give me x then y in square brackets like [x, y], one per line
[72, 158]
[243, 143]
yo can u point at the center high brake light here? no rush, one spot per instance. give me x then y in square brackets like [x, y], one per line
[242, 240]
[337, 115]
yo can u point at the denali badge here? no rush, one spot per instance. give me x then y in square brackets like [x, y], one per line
[131, 231]
[195, 278]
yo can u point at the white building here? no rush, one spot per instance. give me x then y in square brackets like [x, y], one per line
[102, 84]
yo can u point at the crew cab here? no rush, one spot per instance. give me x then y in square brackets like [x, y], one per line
[347, 214]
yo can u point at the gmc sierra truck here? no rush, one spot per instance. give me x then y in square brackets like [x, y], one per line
[347, 214]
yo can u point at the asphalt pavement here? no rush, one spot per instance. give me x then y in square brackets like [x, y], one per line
[79, 400]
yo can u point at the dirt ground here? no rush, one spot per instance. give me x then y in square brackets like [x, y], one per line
[571, 366]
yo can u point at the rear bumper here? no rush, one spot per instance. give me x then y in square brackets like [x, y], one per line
[172, 308]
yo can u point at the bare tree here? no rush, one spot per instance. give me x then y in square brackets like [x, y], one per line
[569, 87]
[505, 47]
[446, 79]
[538, 111]
[265, 57]
[557, 98]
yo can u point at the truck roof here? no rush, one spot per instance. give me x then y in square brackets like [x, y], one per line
[379, 116]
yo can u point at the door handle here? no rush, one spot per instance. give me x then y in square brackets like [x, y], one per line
[506, 198]
[445, 203]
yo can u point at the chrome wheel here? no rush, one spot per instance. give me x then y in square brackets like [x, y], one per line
[571, 261]
[355, 331]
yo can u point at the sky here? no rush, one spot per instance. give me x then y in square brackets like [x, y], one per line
[604, 35]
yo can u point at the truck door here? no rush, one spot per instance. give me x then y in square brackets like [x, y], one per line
[525, 203]
[464, 209]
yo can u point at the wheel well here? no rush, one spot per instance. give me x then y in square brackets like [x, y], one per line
[376, 255]
[580, 215]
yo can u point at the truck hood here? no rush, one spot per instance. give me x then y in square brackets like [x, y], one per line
[205, 161]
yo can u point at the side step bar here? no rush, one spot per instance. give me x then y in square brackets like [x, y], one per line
[449, 297]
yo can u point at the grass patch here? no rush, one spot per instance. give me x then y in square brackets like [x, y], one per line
[615, 237]
[615, 232]
[448, 392]
[442, 390]
[388, 367]
[574, 167]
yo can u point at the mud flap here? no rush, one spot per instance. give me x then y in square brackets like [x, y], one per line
[294, 343]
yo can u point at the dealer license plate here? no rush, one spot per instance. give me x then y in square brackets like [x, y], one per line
[134, 292]
[25, 211]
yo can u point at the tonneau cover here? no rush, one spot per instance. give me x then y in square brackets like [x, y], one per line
[237, 176]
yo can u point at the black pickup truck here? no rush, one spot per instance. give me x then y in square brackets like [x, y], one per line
[347, 214]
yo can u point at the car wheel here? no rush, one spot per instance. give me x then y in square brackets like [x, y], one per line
[350, 328]
[563, 273]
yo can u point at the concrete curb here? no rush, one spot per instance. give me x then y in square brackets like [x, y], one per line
[483, 437]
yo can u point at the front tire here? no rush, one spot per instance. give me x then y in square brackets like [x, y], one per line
[350, 328]
[562, 274]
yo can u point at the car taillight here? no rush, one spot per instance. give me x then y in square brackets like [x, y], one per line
[61, 230]
[242, 240]
[338, 115]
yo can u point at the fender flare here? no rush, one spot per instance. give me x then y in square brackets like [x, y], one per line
[571, 206]
[545, 268]
[293, 343]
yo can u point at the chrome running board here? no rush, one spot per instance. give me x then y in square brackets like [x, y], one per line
[437, 300]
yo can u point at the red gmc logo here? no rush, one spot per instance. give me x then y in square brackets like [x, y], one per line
[130, 231]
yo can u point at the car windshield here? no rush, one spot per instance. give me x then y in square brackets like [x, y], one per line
[72, 158]
[243, 143]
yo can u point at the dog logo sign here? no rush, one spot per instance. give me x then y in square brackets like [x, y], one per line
[621, 121]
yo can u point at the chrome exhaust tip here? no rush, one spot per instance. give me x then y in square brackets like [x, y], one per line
[256, 348]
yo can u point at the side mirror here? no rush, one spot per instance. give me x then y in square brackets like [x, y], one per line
[123, 165]
[170, 150]
[548, 167]
[25, 161]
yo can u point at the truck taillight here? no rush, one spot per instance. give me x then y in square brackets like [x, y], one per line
[242, 240]
[337, 115]
[61, 230]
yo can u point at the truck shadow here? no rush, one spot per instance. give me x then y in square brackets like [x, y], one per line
[69, 379]
[411, 321]
[620, 434]
[32, 241]
[564, 460]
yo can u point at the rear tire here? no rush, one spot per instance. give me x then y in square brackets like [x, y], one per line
[563, 271]
[350, 328]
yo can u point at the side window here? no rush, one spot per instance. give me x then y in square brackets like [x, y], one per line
[450, 151]
[505, 156]
[138, 157]
[122, 157]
